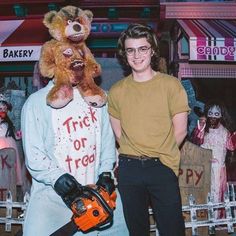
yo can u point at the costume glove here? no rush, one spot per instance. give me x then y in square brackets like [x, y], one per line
[106, 181]
[68, 188]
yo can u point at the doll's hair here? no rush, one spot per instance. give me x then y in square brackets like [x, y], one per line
[10, 127]
[7, 104]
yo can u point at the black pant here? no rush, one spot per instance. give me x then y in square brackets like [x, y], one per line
[145, 182]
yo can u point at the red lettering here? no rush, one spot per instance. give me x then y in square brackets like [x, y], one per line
[180, 171]
[67, 124]
[69, 160]
[77, 163]
[191, 176]
[188, 175]
[4, 162]
[85, 160]
[86, 121]
[91, 158]
[92, 113]
[199, 176]
[79, 143]
[75, 123]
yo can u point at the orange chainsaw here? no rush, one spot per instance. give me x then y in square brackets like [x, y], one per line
[93, 210]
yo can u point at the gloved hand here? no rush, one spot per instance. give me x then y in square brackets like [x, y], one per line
[68, 188]
[106, 181]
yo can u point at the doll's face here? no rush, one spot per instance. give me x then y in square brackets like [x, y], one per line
[214, 116]
[3, 110]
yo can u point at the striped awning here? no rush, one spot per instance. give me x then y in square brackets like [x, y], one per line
[21, 40]
[210, 40]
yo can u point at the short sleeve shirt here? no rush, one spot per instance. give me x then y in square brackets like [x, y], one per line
[145, 110]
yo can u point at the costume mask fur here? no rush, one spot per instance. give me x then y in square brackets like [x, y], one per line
[68, 60]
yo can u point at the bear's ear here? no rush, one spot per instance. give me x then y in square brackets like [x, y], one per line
[48, 17]
[89, 15]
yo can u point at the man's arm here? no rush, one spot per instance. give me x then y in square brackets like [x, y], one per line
[116, 126]
[108, 149]
[180, 121]
[42, 167]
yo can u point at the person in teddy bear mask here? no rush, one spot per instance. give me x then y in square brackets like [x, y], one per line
[65, 149]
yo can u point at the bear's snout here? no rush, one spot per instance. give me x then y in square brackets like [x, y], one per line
[77, 27]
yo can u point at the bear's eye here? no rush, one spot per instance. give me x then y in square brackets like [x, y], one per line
[69, 22]
[68, 52]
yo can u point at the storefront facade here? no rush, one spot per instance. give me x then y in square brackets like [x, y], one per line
[203, 49]
[210, 43]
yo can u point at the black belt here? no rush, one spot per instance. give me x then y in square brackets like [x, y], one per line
[140, 158]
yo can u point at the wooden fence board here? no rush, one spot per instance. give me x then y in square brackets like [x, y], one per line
[195, 178]
[7, 172]
[195, 172]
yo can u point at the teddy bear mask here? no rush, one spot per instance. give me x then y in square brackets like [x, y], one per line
[67, 60]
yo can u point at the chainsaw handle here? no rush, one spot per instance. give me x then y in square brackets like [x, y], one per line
[103, 202]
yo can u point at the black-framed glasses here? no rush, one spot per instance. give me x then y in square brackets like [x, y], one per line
[141, 50]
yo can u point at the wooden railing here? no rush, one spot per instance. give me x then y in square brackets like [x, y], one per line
[212, 223]
[193, 223]
[15, 211]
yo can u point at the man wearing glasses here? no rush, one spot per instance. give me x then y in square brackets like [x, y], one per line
[148, 112]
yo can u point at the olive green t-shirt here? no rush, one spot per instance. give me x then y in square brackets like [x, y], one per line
[145, 110]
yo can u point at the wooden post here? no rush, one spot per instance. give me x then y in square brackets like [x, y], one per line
[7, 172]
[194, 180]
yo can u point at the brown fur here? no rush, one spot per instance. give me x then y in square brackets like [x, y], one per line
[70, 27]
